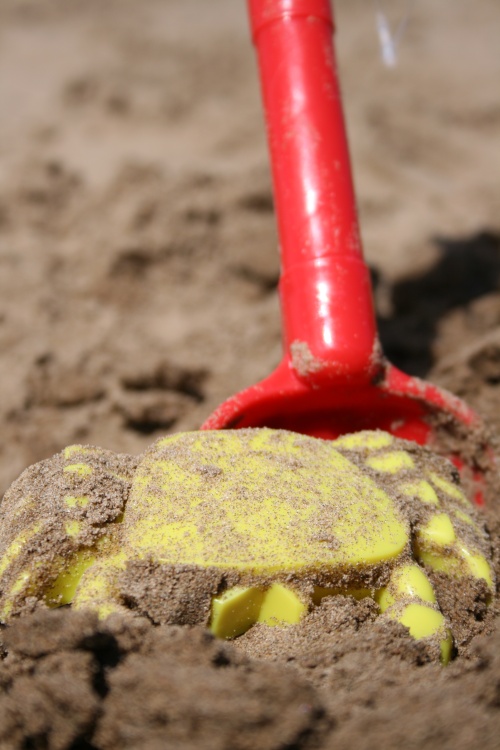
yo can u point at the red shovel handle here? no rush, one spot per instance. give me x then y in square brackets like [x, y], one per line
[325, 286]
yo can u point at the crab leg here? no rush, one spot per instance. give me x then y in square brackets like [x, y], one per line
[409, 598]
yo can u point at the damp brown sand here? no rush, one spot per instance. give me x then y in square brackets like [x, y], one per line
[69, 681]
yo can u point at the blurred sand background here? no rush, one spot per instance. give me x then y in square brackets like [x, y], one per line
[137, 242]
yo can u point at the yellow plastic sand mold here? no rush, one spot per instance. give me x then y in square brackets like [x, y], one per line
[275, 509]
[262, 501]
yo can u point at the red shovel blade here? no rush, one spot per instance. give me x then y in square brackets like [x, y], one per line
[404, 406]
[333, 378]
[407, 407]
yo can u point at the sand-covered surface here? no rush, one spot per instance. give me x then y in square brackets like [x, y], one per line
[138, 290]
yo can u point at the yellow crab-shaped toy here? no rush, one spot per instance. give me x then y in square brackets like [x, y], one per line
[243, 527]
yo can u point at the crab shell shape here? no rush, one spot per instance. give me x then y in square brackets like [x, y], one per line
[245, 526]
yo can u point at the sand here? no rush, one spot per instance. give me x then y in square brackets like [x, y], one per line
[138, 290]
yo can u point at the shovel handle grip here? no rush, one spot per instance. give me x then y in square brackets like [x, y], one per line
[325, 287]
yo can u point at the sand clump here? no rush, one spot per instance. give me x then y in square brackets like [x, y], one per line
[70, 681]
[124, 683]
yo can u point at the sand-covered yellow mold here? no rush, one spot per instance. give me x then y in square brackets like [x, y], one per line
[236, 610]
[270, 522]
[266, 505]
[410, 599]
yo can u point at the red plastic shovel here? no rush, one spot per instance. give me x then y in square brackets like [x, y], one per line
[333, 377]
